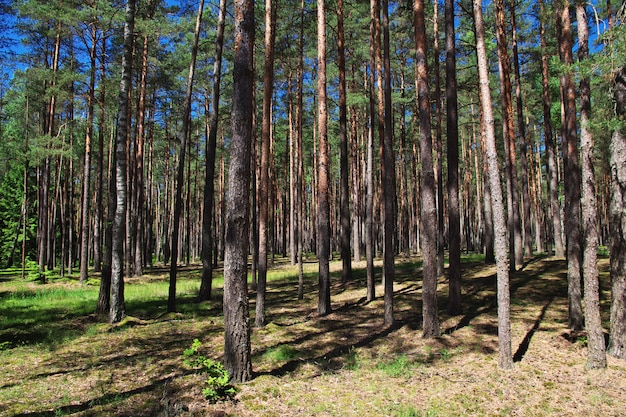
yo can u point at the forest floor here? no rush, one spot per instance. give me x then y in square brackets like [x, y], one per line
[57, 358]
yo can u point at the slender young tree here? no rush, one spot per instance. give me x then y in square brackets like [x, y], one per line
[323, 168]
[596, 357]
[513, 212]
[344, 157]
[237, 356]
[500, 227]
[178, 204]
[551, 167]
[428, 206]
[118, 307]
[211, 145]
[264, 186]
[571, 169]
[452, 129]
[389, 180]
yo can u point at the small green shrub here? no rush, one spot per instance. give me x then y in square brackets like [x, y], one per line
[217, 386]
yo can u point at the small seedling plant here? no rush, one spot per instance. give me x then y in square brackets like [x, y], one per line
[217, 386]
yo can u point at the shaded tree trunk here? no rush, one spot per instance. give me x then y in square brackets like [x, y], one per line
[572, 170]
[452, 129]
[346, 259]
[211, 145]
[428, 207]
[265, 185]
[178, 205]
[237, 356]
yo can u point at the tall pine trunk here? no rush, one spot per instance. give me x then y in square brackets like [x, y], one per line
[237, 355]
[500, 227]
[428, 207]
[118, 307]
[211, 145]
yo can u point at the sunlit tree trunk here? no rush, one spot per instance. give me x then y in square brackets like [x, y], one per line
[500, 227]
[118, 307]
[596, 356]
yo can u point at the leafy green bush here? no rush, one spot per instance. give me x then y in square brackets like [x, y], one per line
[217, 386]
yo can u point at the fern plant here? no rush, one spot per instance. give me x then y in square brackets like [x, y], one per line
[217, 378]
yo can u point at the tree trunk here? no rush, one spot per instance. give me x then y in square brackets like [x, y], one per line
[211, 145]
[551, 167]
[617, 224]
[596, 357]
[452, 129]
[346, 274]
[118, 307]
[369, 203]
[178, 205]
[264, 188]
[572, 170]
[515, 231]
[86, 197]
[526, 222]
[439, 137]
[237, 356]
[323, 169]
[500, 227]
[428, 207]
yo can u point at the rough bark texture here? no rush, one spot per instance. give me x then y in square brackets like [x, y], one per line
[118, 307]
[452, 129]
[596, 356]
[237, 359]
[428, 207]
[617, 339]
[572, 171]
[500, 228]
[369, 198]
[389, 180]
[323, 169]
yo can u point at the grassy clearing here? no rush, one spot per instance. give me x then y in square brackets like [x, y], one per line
[59, 359]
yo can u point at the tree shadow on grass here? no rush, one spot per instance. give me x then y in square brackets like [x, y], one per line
[103, 400]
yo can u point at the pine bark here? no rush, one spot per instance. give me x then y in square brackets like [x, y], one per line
[428, 191]
[323, 169]
[571, 170]
[237, 356]
[596, 356]
[452, 130]
[617, 224]
[500, 227]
